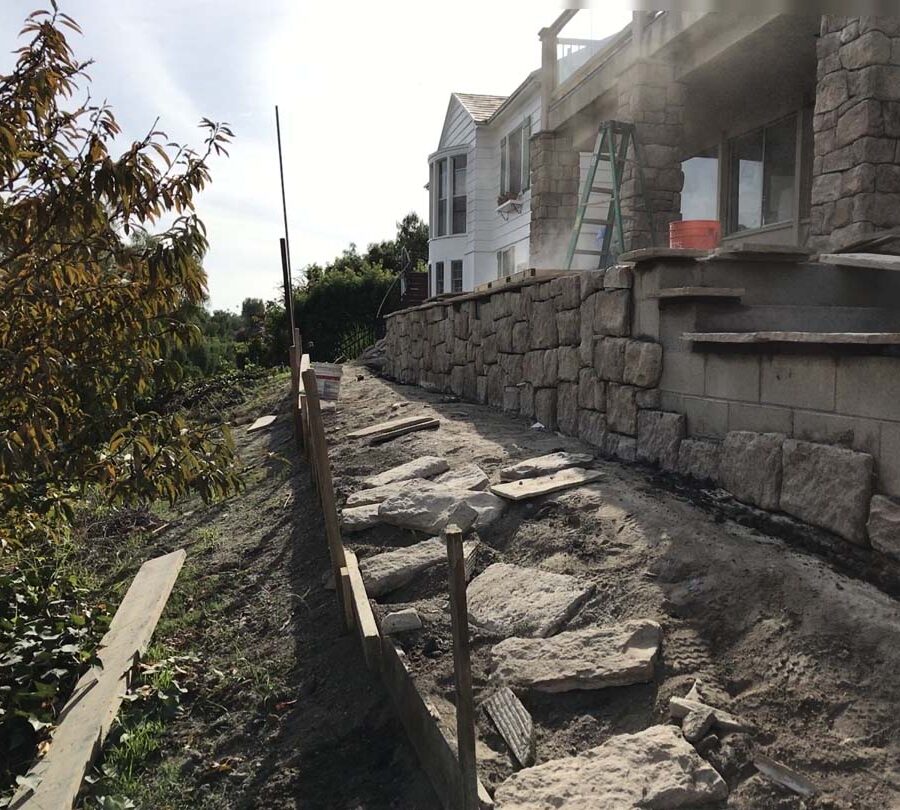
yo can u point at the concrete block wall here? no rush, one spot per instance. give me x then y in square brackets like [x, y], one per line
[813, 435]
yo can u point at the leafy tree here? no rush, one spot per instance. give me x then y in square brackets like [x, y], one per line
[412, 236]
[87, 317]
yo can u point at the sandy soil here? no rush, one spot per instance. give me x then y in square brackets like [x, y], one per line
[780, 636]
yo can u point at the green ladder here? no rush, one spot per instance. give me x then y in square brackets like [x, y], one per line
[614, 141]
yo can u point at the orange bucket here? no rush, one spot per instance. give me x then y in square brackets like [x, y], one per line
[700, 234]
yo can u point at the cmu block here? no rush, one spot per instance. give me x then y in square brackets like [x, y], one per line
[884, 526]
[750, 467]
[643, 363]
[827, 486]
[659, 436]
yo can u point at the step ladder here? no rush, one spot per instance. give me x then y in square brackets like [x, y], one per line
[615, 141]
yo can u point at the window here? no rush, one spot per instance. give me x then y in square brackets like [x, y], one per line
[515, 160]
[456, 276]
[459, 194]
[442, 189]
[699, 196]
[762, 174]
[438, 278]
[506, 261]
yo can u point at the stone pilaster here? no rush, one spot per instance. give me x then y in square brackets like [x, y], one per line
[856, 179]
[554, 197]
[651, 98]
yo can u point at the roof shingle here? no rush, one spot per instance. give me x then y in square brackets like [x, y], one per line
[480, 107]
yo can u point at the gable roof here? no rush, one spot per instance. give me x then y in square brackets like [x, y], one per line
[480, 107]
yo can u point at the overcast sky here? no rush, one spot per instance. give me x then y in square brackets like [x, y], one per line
[362, 88]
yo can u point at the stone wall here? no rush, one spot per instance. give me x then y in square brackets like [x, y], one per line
[856, 179]
[562, 353]
[554, 197]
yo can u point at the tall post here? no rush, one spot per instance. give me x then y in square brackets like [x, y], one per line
[323, 471]
[287, 240]
[288, 291]
[462, 667]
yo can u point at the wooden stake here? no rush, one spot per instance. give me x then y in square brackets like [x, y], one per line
[323, 474]
[462, 667]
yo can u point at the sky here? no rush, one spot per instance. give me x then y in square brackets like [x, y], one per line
[362, 89]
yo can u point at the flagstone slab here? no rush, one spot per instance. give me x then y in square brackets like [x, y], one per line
[359, 518]
[469, 476]
[544, 465]
[382, 493]
[423, 467]
[383, 573]
[509, 600]
[655, 768]
[432, 509]
[618, 654]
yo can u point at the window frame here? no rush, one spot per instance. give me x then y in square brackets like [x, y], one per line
[523, 132]
[441, 203]
[439, 278]
[456, 265]
[463, 156]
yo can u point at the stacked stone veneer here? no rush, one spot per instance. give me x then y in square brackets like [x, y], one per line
[554, 197]
[856, 179]
[561, 353]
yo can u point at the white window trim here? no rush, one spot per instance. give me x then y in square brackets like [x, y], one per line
[524, 157]
[433, 160]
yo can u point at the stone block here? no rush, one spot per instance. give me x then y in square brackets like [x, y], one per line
[520, 337]
[457, 376]
[619, 277]
[568, 363]
[567, 408]
[526, 400]
[544, 333]
[591, 427]
[568, 327]
[872, 48]
[699, 459]
[495, 386]
[504, 334]
[750, 467]
[512, 367]
[648, 399]
[621, 408]
[481, 388]
[827, 486]
[511, 399]
[643, 363]
[586, 322]
[846, 431]
[615, 445]
[659, 435]
[516, 305]
[545, 407]
[733, 376]
[591, 282]
[884, 526]
[567, 291]
[613, 312]
[864, 119]
[831, 92]
[489, 345]
[609, 358]
[541, 369]
[591, 390]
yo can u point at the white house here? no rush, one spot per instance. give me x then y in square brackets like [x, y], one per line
[479, 183]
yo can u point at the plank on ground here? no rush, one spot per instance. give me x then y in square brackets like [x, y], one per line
[55, 780]
[514, 724]
[385, 427]
[362, 610]
[545, 484]
[381, 438]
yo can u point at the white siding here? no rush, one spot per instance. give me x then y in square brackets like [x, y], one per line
[459, 127]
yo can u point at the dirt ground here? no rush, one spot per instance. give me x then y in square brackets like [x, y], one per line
[805, 652]
[282, 713]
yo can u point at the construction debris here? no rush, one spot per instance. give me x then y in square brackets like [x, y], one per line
[387, 436]
[784, 776]
[618, 654]
[545, 484]
[262, 422]
[514, 724]
[388, 427]
[653, 768]
[401, 621]
[680, 708]
[544, 465]
[509, 600]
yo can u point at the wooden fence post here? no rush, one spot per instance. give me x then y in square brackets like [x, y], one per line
[319, 452]
[462, 667]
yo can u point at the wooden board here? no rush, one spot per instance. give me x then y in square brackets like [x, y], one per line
[870, 261]
[822, 338]
[514, 724]
[54, 782]
[262, 422]
[784, 776]
[381, 438]
[387, 427]
[543, 485]
[433, 746]
[362, 610]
